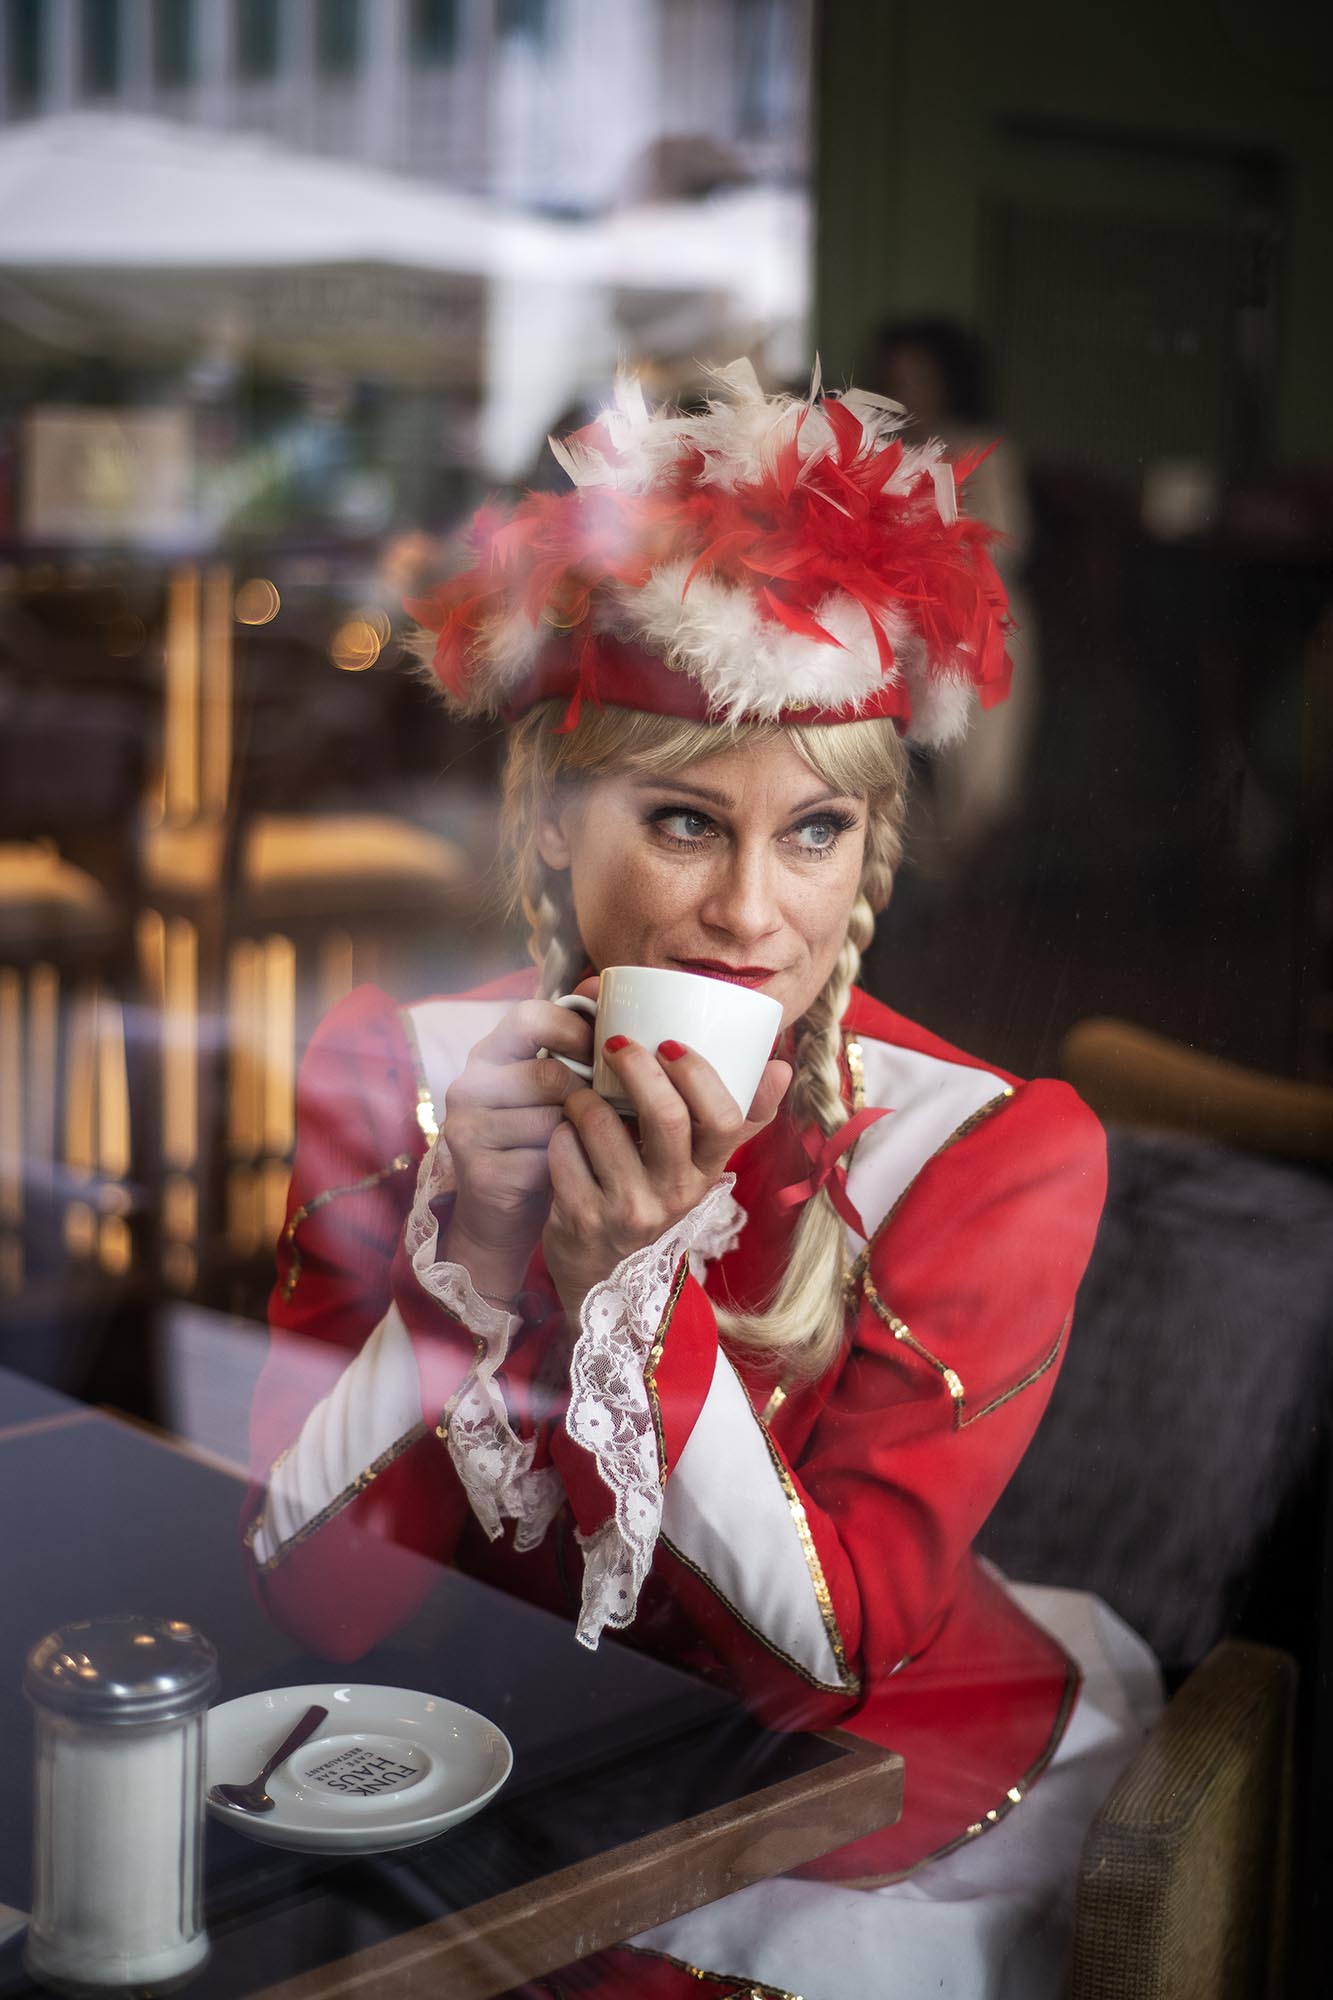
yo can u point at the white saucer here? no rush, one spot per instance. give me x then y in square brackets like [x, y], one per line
[389, 1768]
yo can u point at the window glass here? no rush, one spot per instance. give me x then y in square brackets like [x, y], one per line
[435, 30]
[524, 17]
[173, 43]
[102, 30]
[337, 36]
[26, 39]
[257, 38]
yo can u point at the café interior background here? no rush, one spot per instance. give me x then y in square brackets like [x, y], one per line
[287, 286]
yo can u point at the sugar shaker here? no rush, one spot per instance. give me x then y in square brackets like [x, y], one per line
[119, 1705]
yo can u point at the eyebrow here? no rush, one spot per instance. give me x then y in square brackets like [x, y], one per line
[725, 799]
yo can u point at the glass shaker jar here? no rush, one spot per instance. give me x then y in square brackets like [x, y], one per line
[119, 1705]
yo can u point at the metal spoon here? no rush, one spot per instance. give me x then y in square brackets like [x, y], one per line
[254, 1796]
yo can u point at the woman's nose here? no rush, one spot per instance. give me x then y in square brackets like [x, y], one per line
[742, 901]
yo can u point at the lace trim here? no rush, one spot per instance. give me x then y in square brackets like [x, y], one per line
[493, 1464]
[718, 1237]
[610, 1412]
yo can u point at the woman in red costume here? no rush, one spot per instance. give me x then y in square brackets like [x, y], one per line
[755, 1380]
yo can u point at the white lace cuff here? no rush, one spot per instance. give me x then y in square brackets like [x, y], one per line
[492, 1462]
[609, 1412]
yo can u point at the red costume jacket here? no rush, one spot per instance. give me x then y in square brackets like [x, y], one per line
[808, 1545]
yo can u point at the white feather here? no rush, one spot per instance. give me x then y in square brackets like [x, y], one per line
[585, 466]
[739, 435]
[506, 649]
[747, 663]
[881, 411]
[942, 706]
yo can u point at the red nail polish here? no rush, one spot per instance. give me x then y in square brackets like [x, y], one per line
[614, 1044]
[670, 1051]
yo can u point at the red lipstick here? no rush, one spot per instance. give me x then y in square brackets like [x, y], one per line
[739, 975]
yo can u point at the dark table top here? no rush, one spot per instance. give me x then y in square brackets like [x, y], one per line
[611, 1748]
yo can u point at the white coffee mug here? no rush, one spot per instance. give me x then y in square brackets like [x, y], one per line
[732, 1026]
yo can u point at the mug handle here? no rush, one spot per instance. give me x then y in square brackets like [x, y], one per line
[581, 1004]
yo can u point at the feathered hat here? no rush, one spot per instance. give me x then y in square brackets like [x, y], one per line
[767, 559]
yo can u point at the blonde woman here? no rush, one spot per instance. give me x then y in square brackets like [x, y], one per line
[742, 1380]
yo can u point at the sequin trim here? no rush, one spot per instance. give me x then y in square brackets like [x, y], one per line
[818, 1581]
[426, 1116]
[478, 1356]
[651, 1366]
[773, 1405]
[769, 1645]
[1014, 1795]
[856, 1073]
[953, 1382]
[335, 1506]
[307, 1209]
[969, 1124]
[744, 1989]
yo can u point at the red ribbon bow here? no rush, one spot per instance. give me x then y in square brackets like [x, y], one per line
[825, 1157]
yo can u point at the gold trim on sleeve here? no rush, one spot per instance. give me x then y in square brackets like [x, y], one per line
[953, 1382]
[478, 1356]
[653, 1361]
[818, 1581]
[307, 1209]
[770, 1646]
[969, 1124]
[773, 1405]
[856, 1071]
[427, 1117]
[335, 1506]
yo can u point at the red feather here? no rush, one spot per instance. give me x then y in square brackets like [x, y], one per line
[797, 620]
[846, 427]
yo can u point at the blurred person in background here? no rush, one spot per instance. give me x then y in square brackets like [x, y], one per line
[747, 1380]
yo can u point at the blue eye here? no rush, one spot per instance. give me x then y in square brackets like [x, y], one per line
[683, 826]
[818, 833]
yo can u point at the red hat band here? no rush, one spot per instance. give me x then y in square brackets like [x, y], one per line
[613, 673]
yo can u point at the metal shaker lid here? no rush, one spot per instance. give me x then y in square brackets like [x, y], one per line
[122, 1669]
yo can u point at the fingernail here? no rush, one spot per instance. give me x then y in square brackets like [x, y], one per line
[670, 1051]
[614, 1044]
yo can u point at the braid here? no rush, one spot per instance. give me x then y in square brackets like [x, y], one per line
[553, 942]
[540, 893]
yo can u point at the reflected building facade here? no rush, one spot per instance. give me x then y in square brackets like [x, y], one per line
[557, 104]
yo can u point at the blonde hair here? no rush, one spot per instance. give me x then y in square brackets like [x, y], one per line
[800, 1329]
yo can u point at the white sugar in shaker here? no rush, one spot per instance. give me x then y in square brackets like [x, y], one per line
[118, 1804]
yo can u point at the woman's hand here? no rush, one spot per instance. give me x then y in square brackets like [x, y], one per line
[499, 1116]
[611, 1196]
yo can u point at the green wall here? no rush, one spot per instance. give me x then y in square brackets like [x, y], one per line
[1152, 108]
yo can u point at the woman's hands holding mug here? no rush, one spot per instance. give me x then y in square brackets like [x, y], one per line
[537, 1154]
[499, 1117]
[611, 1195]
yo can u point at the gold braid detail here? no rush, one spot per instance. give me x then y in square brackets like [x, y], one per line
[336, 1505]
[969, 1124]
[308, 1208]
[953, 1382]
